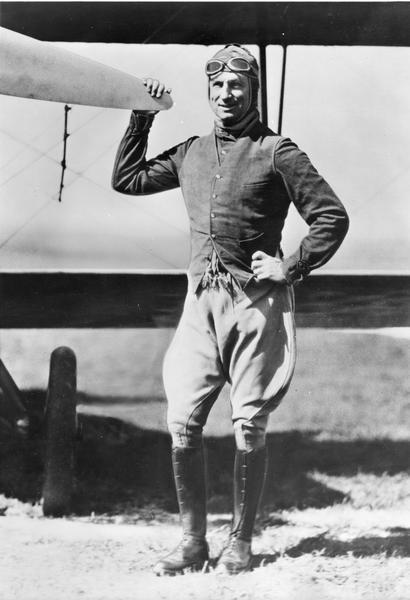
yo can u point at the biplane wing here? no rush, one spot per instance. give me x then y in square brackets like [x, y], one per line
[288, 23]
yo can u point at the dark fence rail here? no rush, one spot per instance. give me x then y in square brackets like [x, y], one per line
[55, 300]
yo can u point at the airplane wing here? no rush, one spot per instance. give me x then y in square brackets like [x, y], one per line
[285, 23]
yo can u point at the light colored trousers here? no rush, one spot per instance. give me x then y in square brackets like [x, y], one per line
[248, 341]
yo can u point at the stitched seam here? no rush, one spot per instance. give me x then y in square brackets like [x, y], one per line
[198, 406]
[275, 145]
[283, 388]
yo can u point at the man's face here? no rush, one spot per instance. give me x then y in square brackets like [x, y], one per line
[229, 97]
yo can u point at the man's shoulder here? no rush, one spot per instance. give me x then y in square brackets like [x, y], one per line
[262, 131]
[277, 141]
[182, 147]
[267, 137]
[198, 141]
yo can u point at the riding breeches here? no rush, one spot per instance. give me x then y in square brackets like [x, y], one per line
[247, 340]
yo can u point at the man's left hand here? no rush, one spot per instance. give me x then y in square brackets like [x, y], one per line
[267, 267]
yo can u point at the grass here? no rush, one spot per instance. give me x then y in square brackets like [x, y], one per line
[335, 516]
[346, 385]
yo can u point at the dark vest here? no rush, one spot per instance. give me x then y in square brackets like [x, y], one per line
[237, 207]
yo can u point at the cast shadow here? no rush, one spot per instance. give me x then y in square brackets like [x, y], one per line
[397, 543]
[122, 468]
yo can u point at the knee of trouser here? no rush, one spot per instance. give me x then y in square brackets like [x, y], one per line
[185, 436]
[250, 435]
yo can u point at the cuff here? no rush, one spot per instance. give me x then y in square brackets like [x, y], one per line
[295, 270]
[140, 122]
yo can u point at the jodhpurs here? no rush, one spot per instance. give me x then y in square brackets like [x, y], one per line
[248, 341]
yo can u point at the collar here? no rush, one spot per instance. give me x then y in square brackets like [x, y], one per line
[239, 130]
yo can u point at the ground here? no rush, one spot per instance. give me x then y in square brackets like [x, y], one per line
[335, 516]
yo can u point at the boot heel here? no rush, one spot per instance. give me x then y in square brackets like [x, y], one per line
[189, 556]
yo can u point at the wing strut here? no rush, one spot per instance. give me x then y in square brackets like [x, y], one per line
[263, 90]
[282, 90]
[263, 79]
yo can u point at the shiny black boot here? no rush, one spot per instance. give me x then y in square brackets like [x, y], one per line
[249, 477]
[192, 553]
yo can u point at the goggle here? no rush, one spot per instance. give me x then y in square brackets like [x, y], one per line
[235, 64]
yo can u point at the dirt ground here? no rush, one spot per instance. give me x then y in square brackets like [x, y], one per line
[335, 515]
[74, 559]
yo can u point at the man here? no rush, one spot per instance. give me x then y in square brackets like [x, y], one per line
[237, 324]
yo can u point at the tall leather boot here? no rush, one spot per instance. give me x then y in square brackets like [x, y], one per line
[192, 552]
[249, 477]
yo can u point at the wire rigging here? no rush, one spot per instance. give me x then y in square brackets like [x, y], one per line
[63, 162]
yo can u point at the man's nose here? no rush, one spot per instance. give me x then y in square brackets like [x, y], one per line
[225, 92]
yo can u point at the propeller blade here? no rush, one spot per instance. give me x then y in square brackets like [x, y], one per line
[30, 68]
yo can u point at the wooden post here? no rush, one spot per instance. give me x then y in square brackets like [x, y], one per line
[61, 427]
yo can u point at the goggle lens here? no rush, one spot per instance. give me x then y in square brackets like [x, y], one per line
[239, 64]
[213, 67]
[236, 64]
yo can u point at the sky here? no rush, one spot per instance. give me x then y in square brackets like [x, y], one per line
[347, 107]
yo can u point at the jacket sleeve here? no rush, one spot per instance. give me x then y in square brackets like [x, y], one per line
[318, 205]
[135, 175]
